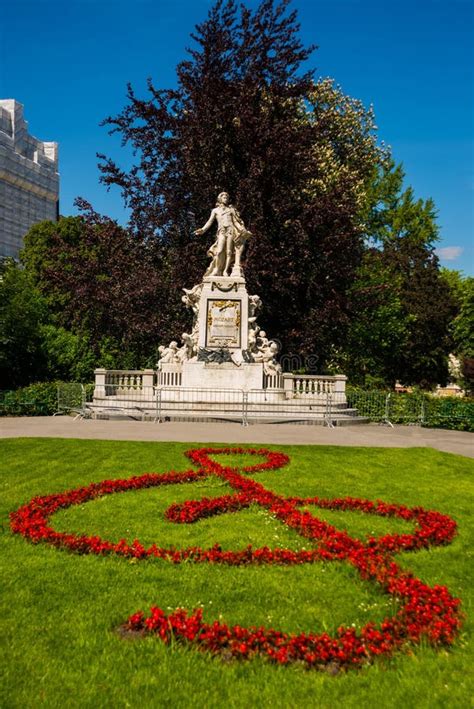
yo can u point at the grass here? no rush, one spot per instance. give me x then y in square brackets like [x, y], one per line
[60, 611]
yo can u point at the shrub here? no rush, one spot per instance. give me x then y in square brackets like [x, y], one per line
[40, 399]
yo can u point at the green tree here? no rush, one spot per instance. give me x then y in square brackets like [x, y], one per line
[462, 289]
[43, 260]
[22, 311]
[68, 357]
[294, 154]
[104, 292]
[404, 231]
[462, 325]
[379, 327]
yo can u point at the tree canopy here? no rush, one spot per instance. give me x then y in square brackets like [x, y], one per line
[342, 253]
[98, 280]
[402, 233]
[22, 311]
[294, 154]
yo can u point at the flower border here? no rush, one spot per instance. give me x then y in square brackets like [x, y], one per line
[425, 612]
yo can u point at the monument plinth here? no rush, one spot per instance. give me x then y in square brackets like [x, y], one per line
[223, 359]
[223, 375]
[223, 314]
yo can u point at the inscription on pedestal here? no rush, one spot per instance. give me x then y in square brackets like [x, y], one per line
[223, 323]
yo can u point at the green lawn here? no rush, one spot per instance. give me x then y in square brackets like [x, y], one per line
[60, 611]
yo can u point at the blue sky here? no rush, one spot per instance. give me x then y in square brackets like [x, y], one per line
[68, 62]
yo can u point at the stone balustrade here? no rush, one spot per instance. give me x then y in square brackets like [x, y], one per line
[109, 382]
[170, 375]
[124, 379]
[273, 381]
[312, 386]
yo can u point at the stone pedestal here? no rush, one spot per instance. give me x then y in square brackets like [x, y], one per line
[227, 375]
[223, 314]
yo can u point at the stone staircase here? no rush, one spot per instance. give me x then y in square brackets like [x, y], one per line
[225, 406]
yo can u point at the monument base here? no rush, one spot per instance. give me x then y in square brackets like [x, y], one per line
[210, 375]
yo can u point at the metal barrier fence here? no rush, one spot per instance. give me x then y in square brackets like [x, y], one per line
[452, 412]
[413, 409]
[11, 404]
[167, 403]
[72, 399]
[327, 408]
[121, 400]
[257, 405]
[387, 408]
[374, 406]
[188, 403]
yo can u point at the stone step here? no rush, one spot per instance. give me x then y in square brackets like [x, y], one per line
[315, 421]
[302, 416]
[236, 409]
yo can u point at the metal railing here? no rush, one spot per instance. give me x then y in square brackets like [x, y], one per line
[11, 404]
[162, 404]
[210, 404]
[72, 399]
[265, 406]
[253, 406]
[117, 400]
[411, 409]
[261, 405]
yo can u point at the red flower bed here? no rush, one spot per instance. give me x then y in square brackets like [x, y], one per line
[425, 612]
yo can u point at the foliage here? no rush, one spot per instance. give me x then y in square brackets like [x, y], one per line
[462, 326]
[22, 310]
[378, 328]
[401, 305]
[77, 658]
[342, 254]
[463, 323]
[102, 285]
[32, 346]
[450, 412]
[295, 156]
[39, 399]
[468, 374]
[69, 357]
[463, 332]
[45, 255]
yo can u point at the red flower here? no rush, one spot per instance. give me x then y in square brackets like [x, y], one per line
[425, 612]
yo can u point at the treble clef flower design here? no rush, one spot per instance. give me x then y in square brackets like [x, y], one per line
[425, 612]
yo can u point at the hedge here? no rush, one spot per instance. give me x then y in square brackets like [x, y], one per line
[39, 399]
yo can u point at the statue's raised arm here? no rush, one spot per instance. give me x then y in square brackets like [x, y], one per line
[230, 241]
[208, 224]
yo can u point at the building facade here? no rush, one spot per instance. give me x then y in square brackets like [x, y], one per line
[29, 179]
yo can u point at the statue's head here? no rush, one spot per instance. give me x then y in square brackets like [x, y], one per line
[223, 198]
[173, 345]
